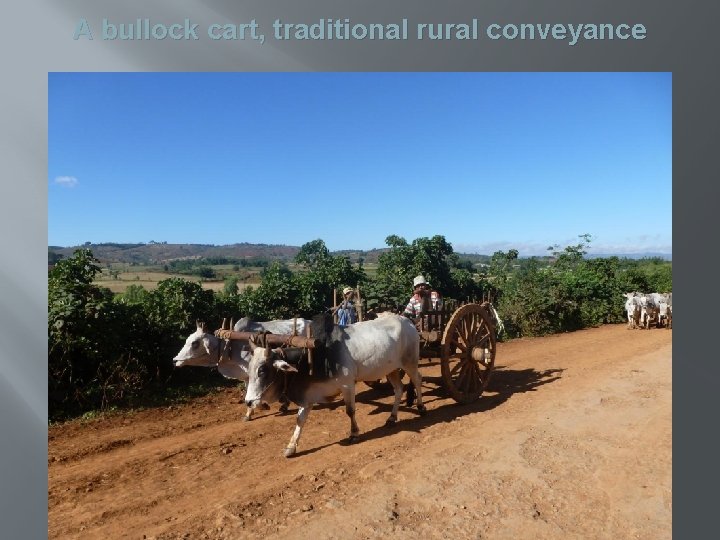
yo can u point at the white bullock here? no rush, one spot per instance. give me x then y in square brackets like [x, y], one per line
[664, 302]
[364, 351]
[231, 358]
[649, 310]
[632, 307]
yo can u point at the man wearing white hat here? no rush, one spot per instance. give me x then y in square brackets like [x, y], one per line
[346, 312]
[423, 299]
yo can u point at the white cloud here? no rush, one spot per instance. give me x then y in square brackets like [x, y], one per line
[66, 181]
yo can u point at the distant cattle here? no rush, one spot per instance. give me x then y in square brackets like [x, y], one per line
[664, 302]
[231, 358]
[364, 351]
[647, 310]
[632, 307]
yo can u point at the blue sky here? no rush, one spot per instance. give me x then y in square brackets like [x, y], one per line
[489, 160]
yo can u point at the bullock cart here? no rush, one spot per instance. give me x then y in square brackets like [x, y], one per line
[463, 338]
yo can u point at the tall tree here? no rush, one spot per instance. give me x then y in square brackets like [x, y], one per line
[433, 257]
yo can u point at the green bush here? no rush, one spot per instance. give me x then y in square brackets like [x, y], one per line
[88, 336]
[106, 350]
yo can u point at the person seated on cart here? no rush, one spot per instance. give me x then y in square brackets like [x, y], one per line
[346, 311]
[424, 299]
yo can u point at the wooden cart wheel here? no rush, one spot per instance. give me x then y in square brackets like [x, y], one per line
[468, 352]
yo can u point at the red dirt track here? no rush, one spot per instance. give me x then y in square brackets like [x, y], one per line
[573, 439]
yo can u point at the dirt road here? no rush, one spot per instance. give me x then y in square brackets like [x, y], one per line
[572, 440]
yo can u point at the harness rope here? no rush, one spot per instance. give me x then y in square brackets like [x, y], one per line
[260, 339]
[223, 353]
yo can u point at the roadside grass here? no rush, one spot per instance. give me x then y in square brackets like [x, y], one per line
[155, 397]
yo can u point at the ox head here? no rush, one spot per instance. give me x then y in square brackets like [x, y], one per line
[631, 299]
[200, 349]
[266, 371]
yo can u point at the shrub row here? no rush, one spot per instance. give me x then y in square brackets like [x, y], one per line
[109, 350]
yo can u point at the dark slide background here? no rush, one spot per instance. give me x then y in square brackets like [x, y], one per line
[36, 38]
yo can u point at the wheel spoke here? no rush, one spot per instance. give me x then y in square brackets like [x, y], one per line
[477, 329]
[476, 376]
[470, 326]
[469, 382]
[484, 338]
[455, 368]
[485, 377]
[462, 379]
[464, 332]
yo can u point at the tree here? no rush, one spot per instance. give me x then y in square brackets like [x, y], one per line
[320, 273]
[433, 257]
[529, 302]
[501, 266]
[659, 276]
[205, 272]
[313, 254]
[176, 304]
[277, 297]
[230, 288]
[134, 294]
[571, 256]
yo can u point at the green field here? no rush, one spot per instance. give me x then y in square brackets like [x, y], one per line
[118, 277]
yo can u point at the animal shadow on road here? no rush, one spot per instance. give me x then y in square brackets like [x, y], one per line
[504, 383]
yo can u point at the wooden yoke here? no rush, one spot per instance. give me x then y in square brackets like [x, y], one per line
[272, 339]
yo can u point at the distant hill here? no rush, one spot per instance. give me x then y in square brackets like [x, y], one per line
[643, 255]
[161, 253]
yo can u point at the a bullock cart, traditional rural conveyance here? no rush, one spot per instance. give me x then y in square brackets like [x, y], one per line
[463, 338]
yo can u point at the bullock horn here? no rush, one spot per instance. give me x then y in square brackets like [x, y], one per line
[204, 327]
[224, 324]
[252, 343]
[232, 323]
